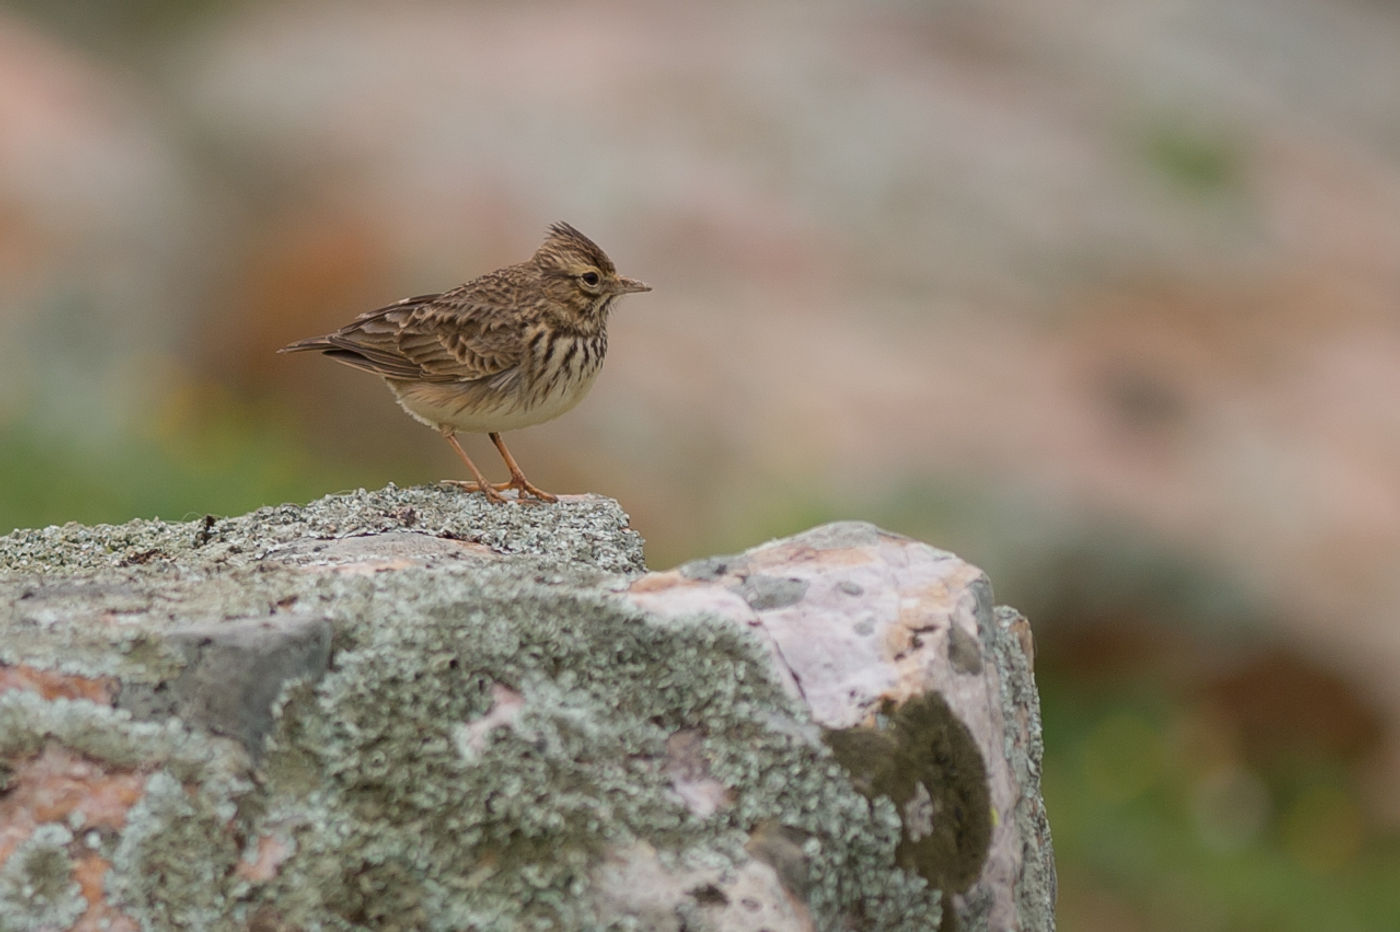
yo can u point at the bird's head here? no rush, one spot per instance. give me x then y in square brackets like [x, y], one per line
[577, 274]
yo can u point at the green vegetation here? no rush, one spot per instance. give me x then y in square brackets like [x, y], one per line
[1194, 159]
[232, 460]
[1148, 823]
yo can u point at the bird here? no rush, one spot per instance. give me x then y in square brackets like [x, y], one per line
[506, 350]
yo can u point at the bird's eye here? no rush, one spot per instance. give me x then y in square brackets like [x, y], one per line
[590, 279]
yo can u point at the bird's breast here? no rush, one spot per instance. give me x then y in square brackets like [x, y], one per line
[554, 377]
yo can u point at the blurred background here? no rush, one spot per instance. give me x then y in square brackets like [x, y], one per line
[1103, 297]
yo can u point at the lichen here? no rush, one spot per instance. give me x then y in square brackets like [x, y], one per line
[62, 587]
[406, 831]
[37, 889]
[173, 866]
[175, 841]
[113, 737]
[1036, 892]
[587, 529]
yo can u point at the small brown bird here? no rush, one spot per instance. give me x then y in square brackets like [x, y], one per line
[515, 347]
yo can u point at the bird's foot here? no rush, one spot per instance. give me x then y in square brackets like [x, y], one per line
[526, 491]
[492, 491]
[525, 487]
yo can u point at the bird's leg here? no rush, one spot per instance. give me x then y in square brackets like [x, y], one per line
[517, 478]
[480, 485]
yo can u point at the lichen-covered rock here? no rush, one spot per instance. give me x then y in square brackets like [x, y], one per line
[409, 709]
[922, 691]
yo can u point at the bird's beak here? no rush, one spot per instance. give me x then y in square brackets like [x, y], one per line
[630, 285]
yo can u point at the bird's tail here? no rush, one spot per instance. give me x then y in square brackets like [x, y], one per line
[310, 343]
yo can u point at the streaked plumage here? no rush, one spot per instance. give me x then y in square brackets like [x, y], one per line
[514, 347]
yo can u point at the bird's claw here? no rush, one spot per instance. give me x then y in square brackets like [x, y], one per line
[525, 490]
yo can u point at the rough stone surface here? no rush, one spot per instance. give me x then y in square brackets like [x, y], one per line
[409, 709]
[899, 655]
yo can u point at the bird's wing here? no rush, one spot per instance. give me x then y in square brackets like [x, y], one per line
[459, 335]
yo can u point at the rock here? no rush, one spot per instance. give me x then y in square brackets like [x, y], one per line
[409, 709]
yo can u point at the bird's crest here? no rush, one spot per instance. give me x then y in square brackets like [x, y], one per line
[565, 246]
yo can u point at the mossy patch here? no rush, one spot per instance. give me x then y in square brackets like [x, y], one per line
[925, 761]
